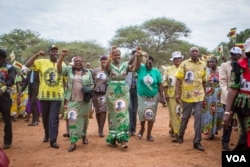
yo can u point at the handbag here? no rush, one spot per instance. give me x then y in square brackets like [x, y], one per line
[88, 93]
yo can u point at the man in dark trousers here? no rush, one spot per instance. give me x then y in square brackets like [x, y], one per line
[32, 81]
[7, 78]
[131, 80]
[50, 94]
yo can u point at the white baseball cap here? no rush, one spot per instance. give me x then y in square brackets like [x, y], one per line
[176, 54]
[236, 50]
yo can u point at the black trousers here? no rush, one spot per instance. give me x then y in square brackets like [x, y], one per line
[226, 132]
[5, 105]
[50, 115]
[133, 106]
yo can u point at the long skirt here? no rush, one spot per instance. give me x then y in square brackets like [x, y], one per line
[118, 115]
[77, 113]
[175, 111]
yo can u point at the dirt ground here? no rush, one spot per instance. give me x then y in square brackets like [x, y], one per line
[28, 150]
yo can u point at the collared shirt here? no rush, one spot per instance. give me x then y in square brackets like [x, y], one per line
[192, 75]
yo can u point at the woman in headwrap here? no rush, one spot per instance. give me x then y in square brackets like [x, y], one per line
[80, 81]
[117, 98]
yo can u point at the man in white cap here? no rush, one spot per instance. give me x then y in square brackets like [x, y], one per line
[169, 90]
[224, 81]
[238, 99]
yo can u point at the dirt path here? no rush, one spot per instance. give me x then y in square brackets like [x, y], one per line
[28, 150]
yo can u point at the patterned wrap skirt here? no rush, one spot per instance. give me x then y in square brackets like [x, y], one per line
[77, 115]
[118, 115]
[147, 108]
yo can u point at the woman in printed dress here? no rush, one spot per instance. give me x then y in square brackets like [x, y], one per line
[99, 101]
[174, 109]
[117, 98]
[78, 106]
[213, 110]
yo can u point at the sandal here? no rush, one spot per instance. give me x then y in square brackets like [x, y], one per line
[124, 147]
[150, 138]
[140, 134]
[72, 147]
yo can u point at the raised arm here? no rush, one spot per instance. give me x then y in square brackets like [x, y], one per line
[60, 60]
[110, 59]
[136, 60]
[31, 60]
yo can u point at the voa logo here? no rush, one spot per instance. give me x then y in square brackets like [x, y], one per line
[236, 158]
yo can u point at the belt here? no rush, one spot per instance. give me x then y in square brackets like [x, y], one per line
[147, 97]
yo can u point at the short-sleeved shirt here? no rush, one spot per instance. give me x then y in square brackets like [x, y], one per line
[51, 82]
[148, 81]
[192, 74]
[170, 79]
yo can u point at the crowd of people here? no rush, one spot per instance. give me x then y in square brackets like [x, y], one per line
[121, 92]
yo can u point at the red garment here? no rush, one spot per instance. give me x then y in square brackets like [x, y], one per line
[4, 160]
[244, 64]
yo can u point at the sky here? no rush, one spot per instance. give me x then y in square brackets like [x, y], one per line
[97, 20]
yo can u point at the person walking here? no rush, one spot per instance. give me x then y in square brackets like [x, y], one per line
[190, 92]
[117, 94]
[174, 108]
[149, 84]
[50, 93]
[131, 80]
[80, 81]
[238, 99]
[33, 106]
[212, 114]
[98, 100]
[224, 81]
[7, 79]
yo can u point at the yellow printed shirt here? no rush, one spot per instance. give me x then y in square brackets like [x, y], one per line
[51, 82]
[192, 74]
[170, 80]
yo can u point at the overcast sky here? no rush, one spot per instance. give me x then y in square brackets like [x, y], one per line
[81, 20]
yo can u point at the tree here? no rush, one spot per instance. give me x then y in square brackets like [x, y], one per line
[158, 37]
[19, 40]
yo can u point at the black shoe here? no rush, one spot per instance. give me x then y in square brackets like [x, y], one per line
[199, 147]
[178, 140]
[45, 139]
[6, 146]
[225, 147]
[54, 145]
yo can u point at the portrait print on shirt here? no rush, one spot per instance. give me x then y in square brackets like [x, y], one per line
[51, 77]
[189, 76]
[148, 80]
[101, 76]
[171, 81]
